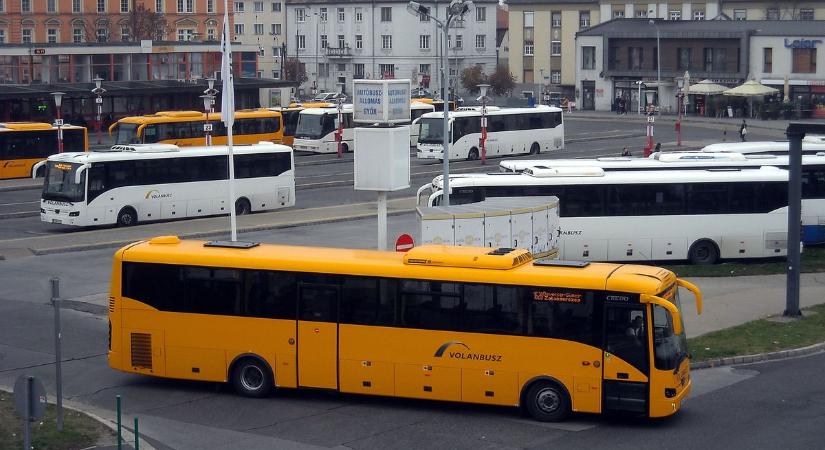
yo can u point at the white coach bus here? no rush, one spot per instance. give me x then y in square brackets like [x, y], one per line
[813, 175]
[509, 131]
[148, 182]
[811, 145]
[695, 215]
[316, 130]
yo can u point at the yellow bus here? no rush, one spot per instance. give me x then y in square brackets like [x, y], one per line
[24, 144]
[464, 324]
[185, 128]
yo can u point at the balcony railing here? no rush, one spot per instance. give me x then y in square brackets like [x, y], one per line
[339, 52]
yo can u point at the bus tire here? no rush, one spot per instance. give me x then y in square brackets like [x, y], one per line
[473, 154]
[344, 148]
[547, 401]
[242, 207]
[127, 217]
[251, 377]
[703, 252]
[535, 148]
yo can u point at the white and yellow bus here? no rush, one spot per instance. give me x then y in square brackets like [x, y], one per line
[464, 324]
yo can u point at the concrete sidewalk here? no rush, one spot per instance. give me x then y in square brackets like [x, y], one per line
[721, 122]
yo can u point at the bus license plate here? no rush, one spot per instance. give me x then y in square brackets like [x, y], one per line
[57, 221]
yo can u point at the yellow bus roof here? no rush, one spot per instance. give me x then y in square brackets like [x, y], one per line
[185, 116]
[32, 126]
[432, 262]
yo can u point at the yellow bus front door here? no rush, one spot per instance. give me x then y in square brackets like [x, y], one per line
[318, 336]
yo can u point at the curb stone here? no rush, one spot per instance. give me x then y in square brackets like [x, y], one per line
[759, 357]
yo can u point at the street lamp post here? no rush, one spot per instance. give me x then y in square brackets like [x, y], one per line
[98, 91]
[483, 141]
[658, 67]
[457, 8]
[58, 101]
[317, 47]
[209, 107]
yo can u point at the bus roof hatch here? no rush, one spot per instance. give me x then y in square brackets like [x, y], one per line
[468, 257]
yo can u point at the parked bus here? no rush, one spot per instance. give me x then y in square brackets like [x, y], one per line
[317, 127]
[149, 182]
[509, 131]
[813, 175]
[463, 324]
[185, 128]
[24, 144]
[417, 109]
[810, 146]
[695, 215]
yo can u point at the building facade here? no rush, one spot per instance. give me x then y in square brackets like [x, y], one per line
[619, 60]
[260, 24]
[543, 32]
[345, 40]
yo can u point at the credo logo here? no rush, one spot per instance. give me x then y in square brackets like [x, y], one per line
[460, 354]
[155, 194]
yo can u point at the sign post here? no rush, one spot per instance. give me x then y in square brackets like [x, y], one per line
[58, 336]
[30, 402]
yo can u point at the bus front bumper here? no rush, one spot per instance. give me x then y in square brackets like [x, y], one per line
[59, 215]
[429, 153]
[669, 406]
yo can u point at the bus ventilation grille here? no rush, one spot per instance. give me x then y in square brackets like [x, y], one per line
[142, 350]
[501, 251]
[111, 304]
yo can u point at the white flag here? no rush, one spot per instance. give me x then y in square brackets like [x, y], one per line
[228, 95]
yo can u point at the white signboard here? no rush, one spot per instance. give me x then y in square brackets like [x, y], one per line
[381, 101]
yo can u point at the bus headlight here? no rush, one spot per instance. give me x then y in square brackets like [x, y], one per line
[74, 213]
[42, 210]
[670, 392]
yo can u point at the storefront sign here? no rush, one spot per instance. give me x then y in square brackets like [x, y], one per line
[802, 43]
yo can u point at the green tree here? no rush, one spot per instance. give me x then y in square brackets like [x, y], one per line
[294, 71]
[471, 77]
[502, 81]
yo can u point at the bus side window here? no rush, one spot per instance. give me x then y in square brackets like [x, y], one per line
[620, 341]
[97, 181]
[150, 133]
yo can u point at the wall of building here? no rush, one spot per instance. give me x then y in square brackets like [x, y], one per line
[782, 57]
[788, 10]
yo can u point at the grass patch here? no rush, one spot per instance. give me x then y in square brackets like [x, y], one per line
[79, 430]
[813, 260]
[761, 336]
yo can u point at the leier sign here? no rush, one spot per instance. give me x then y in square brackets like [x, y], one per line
[381, 101]
[802, 43]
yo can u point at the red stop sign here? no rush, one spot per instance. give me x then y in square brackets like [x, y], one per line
[404, 243]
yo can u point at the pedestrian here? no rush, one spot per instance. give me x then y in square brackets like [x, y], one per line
[623, 105]
[743, 130]
[626, 152]
[658, 147]
[616, 105]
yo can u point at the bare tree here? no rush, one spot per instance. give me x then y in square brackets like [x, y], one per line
[294, 70]
[146, 24]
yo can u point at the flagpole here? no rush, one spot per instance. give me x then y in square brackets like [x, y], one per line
[228, 114]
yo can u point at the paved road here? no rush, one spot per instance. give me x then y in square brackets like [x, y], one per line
[323, 180]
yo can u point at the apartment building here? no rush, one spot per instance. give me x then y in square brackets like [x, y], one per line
[343, 40]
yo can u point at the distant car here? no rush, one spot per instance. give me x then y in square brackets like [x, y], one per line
[329, 97]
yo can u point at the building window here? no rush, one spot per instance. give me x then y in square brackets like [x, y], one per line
[259, 29]
[740, 14]
[239, 7]
[300, 15]
[275, 29]
[359, 14]
[767, 60]
[386, 14]
[804, 60]
[555, 48]
[26, 6]
[481, 14]
[239, 29]
[124, 34]
[387, 70]
[459, 42]
[210, 6]
[51, 6]
[186, 6]
[480, 41]
[341, 15]
[341, 67]
[302, 42]
[699, 14]
[276, 6]
[51, 35]
[618, 14]
[76, 6]
[341, 43]
[26, 35]
[424, 42]
[424, 68]
[584, 19]
[772, 14]
[358, 70]
[588, 58]
[635, 57]
[684, 58]
[186, 34]
[555, 76]
[806, 14]
[675, 15]
[124, 6]
[386, 41]
[276, 74]
[323, 70]
[324, 43]
[102, 35]
[101, 6]
[2, 6]
[640, 13]
[612, 58]
[555, 19]
[323, 15]
[210, 34]
[528, 19]
[258, 6]
[77, 35]
[528, 48]
[716, 59]
[159, 6]
[359, 41]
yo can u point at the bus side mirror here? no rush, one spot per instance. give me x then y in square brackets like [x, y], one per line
[78, 176]
[697, 294]
[670, 307]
